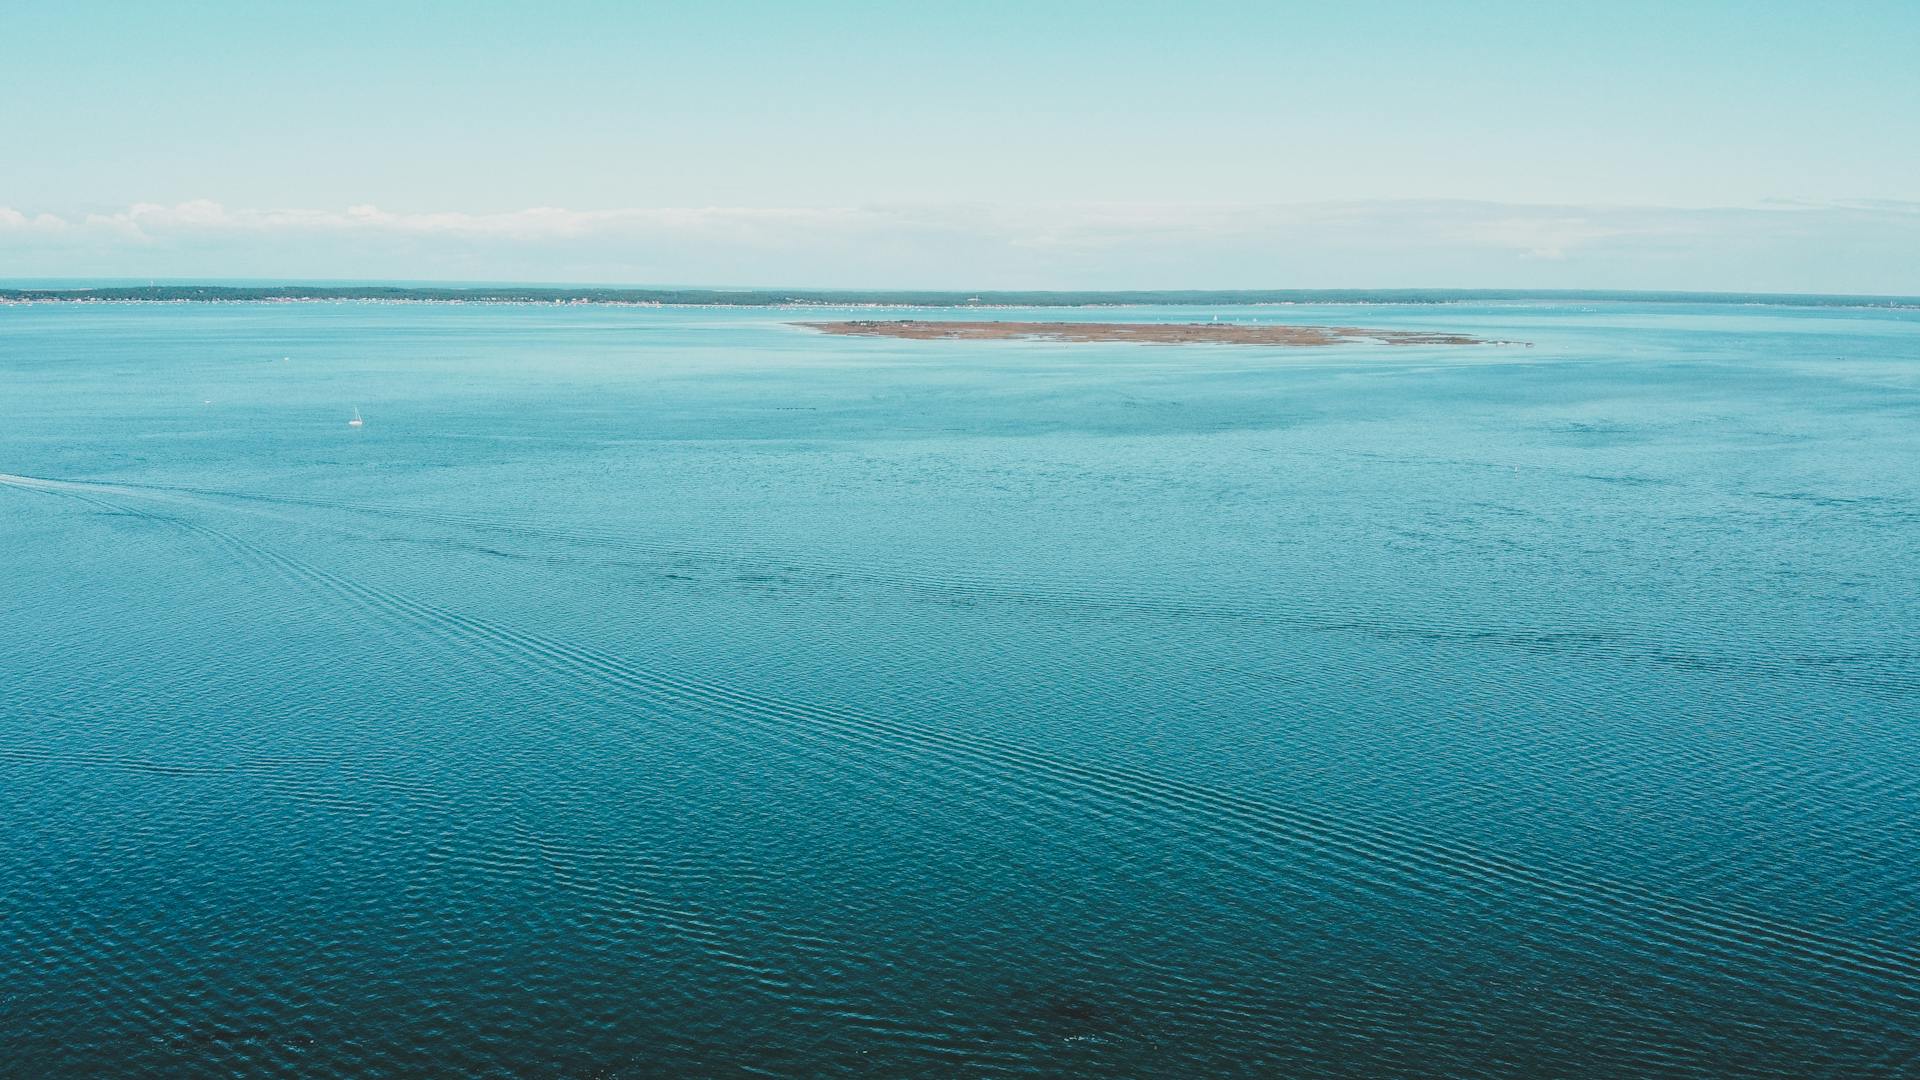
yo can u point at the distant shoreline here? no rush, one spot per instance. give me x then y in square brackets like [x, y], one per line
[785, 298]
[1214, 333]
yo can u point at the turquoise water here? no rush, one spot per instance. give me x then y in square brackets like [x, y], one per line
[681, 692]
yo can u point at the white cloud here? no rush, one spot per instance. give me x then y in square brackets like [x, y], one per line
[13, 221]
[1855, 247]
[154, 221]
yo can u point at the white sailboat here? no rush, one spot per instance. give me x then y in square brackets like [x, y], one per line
[356, 421]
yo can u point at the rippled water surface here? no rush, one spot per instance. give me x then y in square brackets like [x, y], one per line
[651, 692]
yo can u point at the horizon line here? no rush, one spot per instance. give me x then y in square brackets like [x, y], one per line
[241, 289]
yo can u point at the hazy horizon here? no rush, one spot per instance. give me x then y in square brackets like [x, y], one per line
[908, 296]
[1862, 250]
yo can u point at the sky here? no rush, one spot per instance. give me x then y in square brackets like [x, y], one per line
[1740, 146]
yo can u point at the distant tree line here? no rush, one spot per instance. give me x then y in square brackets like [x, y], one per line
[896, 298]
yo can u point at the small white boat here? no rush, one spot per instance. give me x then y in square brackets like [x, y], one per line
[356, 421]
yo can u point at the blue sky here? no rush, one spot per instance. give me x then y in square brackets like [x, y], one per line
[1739, 146]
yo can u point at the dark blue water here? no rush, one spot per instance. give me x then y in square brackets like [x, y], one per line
[650, 692]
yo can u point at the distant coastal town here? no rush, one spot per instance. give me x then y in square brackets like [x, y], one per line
[432, 294]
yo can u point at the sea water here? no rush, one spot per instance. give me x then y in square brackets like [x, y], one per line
[686, 692]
